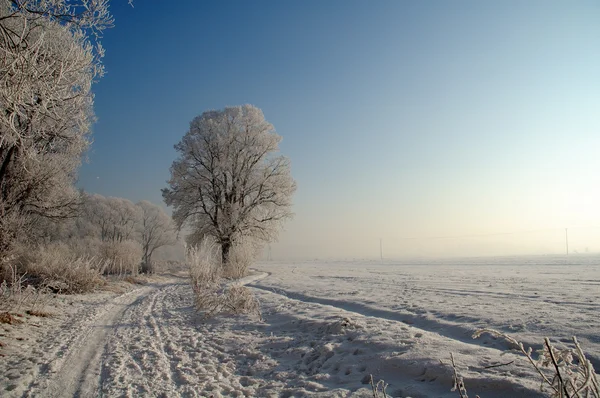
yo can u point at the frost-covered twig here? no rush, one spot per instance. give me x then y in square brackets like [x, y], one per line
[569, 378]
[498, 365]
[590, 379]
[521, 348]
[557, 369]
[378, 388]
[459, 384]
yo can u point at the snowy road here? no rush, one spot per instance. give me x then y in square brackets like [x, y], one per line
[78, 368]
[80, 375]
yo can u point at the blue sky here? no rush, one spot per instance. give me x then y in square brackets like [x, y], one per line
[402, 119]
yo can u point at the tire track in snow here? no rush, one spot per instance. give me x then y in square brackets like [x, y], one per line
[150, 356]
[156, 340]
[169, 345]
[79, 375]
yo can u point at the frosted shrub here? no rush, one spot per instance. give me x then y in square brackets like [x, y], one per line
[230, 299]
[11, 287]
[240, 300]
[56, 266]
[121, 258]
[212, 295]
[6, 268]
[204, 263]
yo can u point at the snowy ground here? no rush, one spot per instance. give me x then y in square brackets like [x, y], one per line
[326, 328]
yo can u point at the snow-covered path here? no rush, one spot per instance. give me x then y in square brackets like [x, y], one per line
[80, 372]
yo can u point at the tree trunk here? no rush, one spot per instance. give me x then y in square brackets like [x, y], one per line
[147, 267]
[225, 248]
[3, 171]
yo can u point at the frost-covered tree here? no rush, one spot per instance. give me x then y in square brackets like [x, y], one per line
[156, 229]
[126, 216]
[49, 58]
[96, 211]
[115, 219]
[112, 225]
[227, 181]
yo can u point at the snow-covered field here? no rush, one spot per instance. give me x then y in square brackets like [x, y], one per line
[327, 326]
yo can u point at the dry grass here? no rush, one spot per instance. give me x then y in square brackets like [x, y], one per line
[565, 372]
[56, 268]
[135, 280]
[7, 317]
[84, 247]
[14, 296]
[40, 314]
[11, 289]
[458, 381]
[121, 258]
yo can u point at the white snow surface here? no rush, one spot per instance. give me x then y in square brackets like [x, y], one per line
[327, 326]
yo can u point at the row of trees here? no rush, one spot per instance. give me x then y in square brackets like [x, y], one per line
[118, 219]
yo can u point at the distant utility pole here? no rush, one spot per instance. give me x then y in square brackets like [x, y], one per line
[567, 239]
[270, 258]
[381, 249]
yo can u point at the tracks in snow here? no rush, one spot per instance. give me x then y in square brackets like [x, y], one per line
[147, 353]
[451, 328]
[80, 371]
[454, 331]
[137, 342]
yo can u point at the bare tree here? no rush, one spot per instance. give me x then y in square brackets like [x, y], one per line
[112, 228]
[156, 230]
[49, 58]
[97, 212]
[126, 216]
[227, 182]
[114, 218]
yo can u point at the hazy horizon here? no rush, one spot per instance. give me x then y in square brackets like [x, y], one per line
[443, 129]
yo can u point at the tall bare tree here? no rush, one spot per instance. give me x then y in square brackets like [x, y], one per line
[156, 229]
[227, 182]
[116, 219]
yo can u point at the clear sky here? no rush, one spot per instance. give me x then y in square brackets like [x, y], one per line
[402, 119]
